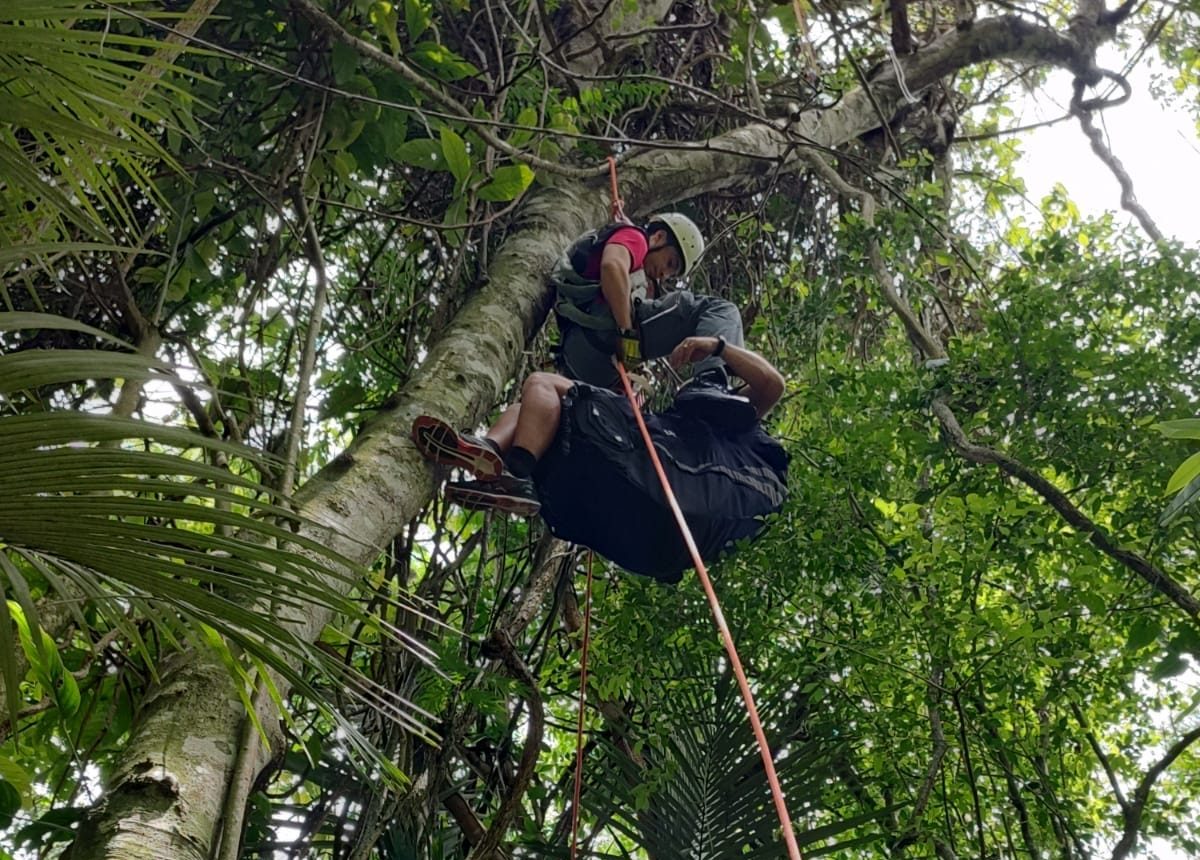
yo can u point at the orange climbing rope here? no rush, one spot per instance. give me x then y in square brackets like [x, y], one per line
[618, 214]
[789, 838]
[618, 205]
[785, 821]
[719, 617]
[587, 624]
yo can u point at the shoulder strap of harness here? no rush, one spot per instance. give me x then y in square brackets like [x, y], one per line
[575, 293]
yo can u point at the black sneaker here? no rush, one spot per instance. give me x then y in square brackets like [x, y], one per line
[439, 442]
[508, 494]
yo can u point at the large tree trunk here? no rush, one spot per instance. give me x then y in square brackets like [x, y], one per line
[165, 799]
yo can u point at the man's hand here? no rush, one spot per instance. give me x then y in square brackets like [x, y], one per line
[692, 349]
[629, 347]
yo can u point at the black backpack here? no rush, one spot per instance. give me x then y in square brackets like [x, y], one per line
[583, 248]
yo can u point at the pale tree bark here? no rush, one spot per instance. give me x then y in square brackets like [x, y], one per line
[165, 798]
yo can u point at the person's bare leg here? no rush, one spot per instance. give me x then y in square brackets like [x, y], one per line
[541, 405]
[506, 425]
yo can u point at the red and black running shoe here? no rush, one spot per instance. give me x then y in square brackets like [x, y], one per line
[510, 495]
[442, 444]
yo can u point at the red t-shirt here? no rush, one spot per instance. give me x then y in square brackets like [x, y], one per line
[631, 239]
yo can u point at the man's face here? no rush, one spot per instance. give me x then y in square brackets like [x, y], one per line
[663, 260]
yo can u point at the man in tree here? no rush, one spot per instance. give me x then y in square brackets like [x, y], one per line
[574, 451]
[612, 299]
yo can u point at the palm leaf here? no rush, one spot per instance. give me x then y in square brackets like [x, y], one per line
[81, 106]
[708, 797]
[148, 523]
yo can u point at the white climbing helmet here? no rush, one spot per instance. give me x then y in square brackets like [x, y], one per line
[687, 236]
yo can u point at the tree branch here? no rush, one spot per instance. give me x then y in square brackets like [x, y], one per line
[1157, 580]
[500, 646]
[1102, 756]
[332, 28]
[1133, 814]
[1083, 111]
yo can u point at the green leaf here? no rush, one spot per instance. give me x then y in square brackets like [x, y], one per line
[527, 117]
[416, 19]
[385, 18]
[1184, 475]
[424, 152]
[1094, 602]
[344, 61]
[1183, 428]
[1169, 667]
[442, 61]
[10, 803]
[16, 776]
[66, 691]
[507, 183]
[1142, 633]
[1185, 497]
[17, 320]
[455, 151]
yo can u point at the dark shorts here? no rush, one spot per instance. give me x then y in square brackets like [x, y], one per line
[599, 489]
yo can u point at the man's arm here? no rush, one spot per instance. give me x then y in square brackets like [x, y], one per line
[764, 384]
[614, 283]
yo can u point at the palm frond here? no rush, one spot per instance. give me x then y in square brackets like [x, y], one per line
[81, 106]
[706, 796]
[126, 514]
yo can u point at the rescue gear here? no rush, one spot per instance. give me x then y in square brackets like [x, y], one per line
[629, 347]
[709, 397]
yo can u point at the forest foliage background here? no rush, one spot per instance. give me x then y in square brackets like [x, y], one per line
[244, 242]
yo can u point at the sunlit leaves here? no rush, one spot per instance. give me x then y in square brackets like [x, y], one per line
[507, 183]
[455, 151]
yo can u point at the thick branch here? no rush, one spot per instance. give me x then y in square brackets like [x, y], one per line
[1133, 813]
[501, 646]
[1157, 580]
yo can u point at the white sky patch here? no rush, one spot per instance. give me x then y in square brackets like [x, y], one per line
[1156, 141]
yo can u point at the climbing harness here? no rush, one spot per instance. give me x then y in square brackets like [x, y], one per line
[764, 749]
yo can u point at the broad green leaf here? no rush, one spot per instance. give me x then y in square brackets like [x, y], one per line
[527, 117]
[16, 776]
[455, 152]
[10, 803]
[1093, 601]
[1185, 474]
[344, 61]
[8, 663]
[35, 368]
[386, 19]
[1182, 428]
[442, 61]
[424, 152]
[1183, 498]
[1142, 633]
[507, 183]
[416, 19]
